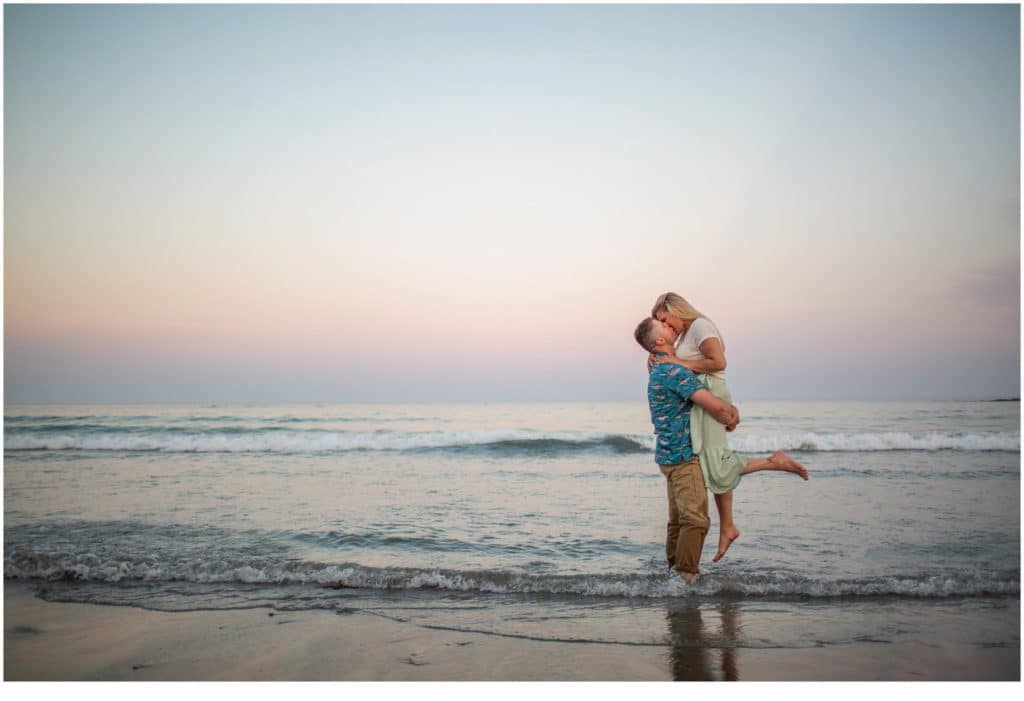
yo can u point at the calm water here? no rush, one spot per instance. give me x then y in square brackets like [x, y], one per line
[535, 520]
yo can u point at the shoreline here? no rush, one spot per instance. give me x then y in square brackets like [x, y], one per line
[48, 641]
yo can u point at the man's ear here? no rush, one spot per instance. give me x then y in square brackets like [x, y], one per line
[659, 341]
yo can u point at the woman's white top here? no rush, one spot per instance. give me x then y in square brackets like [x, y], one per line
[688, 347]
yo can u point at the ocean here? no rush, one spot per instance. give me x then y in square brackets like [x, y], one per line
[540, 521]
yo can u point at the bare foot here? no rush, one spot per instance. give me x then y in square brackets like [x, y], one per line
[788, 464]
[725, 538]
[688, 576]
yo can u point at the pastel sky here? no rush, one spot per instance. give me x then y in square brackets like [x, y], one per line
[411, 203]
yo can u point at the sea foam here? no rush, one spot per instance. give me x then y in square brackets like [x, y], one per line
[89, 567]
[497, 440]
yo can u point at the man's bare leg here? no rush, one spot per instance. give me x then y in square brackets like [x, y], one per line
[727, 531]
[779, 461]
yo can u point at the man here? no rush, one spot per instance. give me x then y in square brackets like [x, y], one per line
[670, 391]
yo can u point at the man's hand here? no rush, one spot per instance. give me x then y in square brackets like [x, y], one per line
[723, 413]
[731, 426]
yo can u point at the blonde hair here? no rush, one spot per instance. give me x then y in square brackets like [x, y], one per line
[675, 305]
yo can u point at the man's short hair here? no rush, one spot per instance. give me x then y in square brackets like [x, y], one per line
[643, 333]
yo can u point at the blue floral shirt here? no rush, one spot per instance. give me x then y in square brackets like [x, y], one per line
[668, 392]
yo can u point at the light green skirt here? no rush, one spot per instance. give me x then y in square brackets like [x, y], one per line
[722, 468]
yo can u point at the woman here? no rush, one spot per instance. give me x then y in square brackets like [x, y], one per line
[701, 349]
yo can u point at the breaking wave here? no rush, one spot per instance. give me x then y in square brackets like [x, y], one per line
[278, 441]
[91, 568]
[502, 441]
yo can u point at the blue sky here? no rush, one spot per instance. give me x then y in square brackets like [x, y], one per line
[398, 203]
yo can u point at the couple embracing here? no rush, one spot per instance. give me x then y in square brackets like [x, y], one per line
[692, 411]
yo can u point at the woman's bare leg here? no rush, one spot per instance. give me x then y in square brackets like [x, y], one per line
[727, 531]
[779, 461]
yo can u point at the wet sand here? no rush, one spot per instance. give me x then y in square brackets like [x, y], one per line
[57, 641]
[84, 642]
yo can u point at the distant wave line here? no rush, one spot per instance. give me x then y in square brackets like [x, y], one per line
[277, 440]
[48, 421]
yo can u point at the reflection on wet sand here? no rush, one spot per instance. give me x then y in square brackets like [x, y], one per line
[700, 650]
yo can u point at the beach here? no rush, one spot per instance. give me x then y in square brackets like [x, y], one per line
[87, 642]
[90, 642]
[503, 541]
[320, 341]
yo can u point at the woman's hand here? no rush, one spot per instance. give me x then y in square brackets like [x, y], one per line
[663, 358]
[690, 365]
